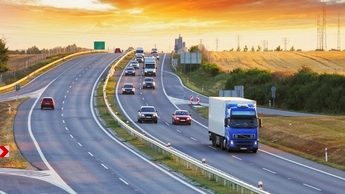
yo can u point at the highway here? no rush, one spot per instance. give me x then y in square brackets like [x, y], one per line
[279, 171]
[70, 149]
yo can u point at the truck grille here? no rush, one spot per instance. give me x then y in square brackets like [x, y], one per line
[244, 136]
[243, 143]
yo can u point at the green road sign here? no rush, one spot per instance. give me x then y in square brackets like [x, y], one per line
[99, 45]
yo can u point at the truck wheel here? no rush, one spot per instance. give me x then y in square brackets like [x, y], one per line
[140, 121]
[222, 143]
[214, 140]
[254, 151]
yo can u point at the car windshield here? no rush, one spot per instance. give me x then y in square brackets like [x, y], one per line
[128, 86]
[147, 110]
[129, 68]
[181, 113]
[148, 80]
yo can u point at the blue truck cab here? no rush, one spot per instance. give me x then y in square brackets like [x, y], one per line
[234, 123]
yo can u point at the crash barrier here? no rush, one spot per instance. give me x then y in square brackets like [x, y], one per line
[33, 74]
[199, 166]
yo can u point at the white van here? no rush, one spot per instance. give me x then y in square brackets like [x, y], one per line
[140, 50]
[150, 66]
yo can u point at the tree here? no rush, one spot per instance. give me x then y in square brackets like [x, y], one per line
[292, 48]
[3, 56]
[193, 49]
[258, 49]
[245, 48]
[238, 49]
[33, 50]
[278, 48]
[253, 49]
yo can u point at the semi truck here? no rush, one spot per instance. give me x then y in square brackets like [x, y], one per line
[233, 123]
[150, 66]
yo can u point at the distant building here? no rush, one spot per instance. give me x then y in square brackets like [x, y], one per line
[180, 46]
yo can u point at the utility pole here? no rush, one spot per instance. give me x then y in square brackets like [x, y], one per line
[264, 45]
[217, 42]
[285, 43]
[338, 39]
[238, 39]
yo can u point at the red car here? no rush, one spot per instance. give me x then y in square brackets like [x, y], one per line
[48, 102]
[117, 50]
[181, 117]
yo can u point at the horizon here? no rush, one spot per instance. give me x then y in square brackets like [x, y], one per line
[218, 25]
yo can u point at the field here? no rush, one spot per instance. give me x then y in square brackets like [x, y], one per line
[322, 62]
[19, 60]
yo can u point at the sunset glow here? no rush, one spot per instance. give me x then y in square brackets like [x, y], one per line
[51, 23]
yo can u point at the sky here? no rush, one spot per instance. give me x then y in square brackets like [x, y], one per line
[218, 24]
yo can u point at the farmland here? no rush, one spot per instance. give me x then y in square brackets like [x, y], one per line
[318, 61]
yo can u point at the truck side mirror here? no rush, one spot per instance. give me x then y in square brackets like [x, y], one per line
[260, 122]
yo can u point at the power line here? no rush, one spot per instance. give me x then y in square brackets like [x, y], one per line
[285, 43]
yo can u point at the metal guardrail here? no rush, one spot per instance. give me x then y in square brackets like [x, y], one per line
[189, 162]
[42, 68]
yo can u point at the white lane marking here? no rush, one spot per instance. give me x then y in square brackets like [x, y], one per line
[303, 165]
[269, 171]
[67, 91]
[193, 138]
[65, 96]
[63, 121]
[79, 75]
[212, 147]
[66, 128]
[70, 86]
[61, 115]
[76, 78]
[61, 108]
[178, 130]
[80, 145]
[72, 82]
[104, 166]
[90, 154]
[312, 187]
[71, 136]
[123, 181]
[236, 157]
[63, 102]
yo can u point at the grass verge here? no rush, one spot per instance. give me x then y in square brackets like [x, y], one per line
[7, 115]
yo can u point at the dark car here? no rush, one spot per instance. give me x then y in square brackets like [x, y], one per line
[147, 113]
[129, 71]
[128, 88]
[155, 55]
[181, 117]
[48, 102]
[118, 50]
[134, 64]
[149, 82]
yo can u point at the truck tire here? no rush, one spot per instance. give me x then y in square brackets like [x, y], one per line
[254, 151]
[214, 140]
[223, 143]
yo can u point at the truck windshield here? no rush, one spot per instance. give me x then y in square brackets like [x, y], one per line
[148, 65]
[244, 123]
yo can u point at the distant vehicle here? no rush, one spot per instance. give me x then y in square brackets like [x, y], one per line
[181, 117]
[48, 102]
[128, 88]
[129, 71]
[150, 66]
[149, 82]
[139, 57]
[147, 113]
[233, 123]
[155, 55]
[154, 50]
[118, 50]
[134, 64]
[140, 50]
